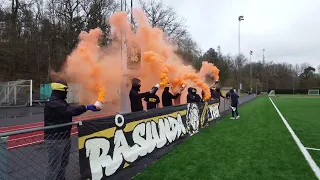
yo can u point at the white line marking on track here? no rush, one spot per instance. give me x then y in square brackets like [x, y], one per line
[313, 149]
[31, 143]
[40, 124]
[303, 150]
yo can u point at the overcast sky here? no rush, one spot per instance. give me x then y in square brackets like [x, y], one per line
[289, 30]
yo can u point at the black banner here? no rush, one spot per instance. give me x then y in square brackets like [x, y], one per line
[121, 146]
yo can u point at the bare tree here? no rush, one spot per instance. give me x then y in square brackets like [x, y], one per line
[164, 17]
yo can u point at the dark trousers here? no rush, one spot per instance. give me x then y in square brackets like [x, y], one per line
[236, 111]
[58, 158]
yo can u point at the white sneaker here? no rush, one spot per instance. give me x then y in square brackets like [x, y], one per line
[232, 118]
[237, 117]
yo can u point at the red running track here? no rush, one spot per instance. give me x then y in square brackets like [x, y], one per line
[36, 137]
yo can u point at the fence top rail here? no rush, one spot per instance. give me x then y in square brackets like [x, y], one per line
[37, 129]
[56, 126]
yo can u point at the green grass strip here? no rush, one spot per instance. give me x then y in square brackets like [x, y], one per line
[258, 146]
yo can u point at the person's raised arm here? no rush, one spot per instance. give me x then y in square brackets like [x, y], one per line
[71, 110]
[199, 99]
[140, 95]
[158, 101]
[76, 110]
[175, 96]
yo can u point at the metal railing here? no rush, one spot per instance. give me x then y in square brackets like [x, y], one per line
[39, 153]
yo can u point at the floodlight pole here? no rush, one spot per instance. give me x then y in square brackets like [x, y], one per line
[263, 60]
[124, 94]
[240, 18]
[250, 71]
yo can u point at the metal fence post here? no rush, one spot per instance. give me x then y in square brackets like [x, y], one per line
[3, 158]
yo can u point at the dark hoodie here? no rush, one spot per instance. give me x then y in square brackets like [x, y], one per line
[192, 96]
[234, 98]
[167, 97]
[152, 101]
[58, 111]
[217, 94]
[136, 97]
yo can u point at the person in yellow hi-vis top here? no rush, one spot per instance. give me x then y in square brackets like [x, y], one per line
[58, 142]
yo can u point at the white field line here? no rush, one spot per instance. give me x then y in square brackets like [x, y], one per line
[313, 149]
[303, 150]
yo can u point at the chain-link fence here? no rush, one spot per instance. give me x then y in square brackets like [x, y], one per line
[50, 153]
[225, 103]
[43, 153]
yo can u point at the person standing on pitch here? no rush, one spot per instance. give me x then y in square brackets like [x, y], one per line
[152, 100]
[234, 104]
[58, 111]
[167, 97]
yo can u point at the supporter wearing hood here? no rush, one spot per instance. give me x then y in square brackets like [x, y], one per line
[58, 111]
[234, 104]
[216, 94]
[167, 97]
[136, 96]
[212, 92]
[192, 96]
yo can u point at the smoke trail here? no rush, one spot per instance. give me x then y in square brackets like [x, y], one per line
[87, 53]
[98, 69]
[157, 63]
[210, 70]
[198, 82]
[89, 65]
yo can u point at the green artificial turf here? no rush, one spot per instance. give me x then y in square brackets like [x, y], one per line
[258, 146]
[303, 115]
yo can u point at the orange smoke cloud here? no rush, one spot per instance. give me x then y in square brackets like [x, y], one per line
[198, 82]
[209, 69]
[86, 55]
[157, 62]
[90, 65]
[157, 52]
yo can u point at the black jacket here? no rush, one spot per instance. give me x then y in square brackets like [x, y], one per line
[216, 95]
[58, 111]
[193, 97]
[167, 97]
[135, 99]
[152, 101]
[234, 99]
